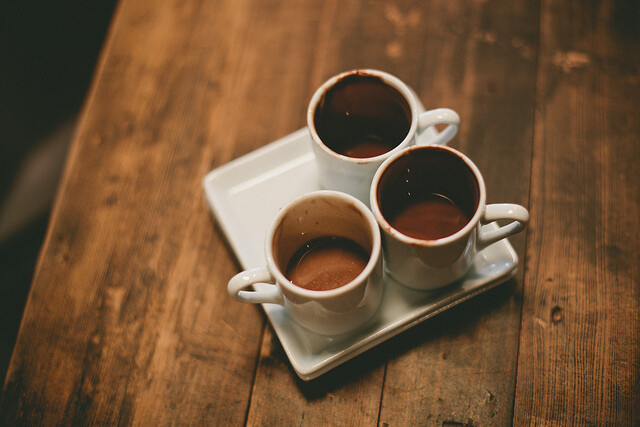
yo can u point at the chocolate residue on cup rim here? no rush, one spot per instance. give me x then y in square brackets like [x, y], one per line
[411, 175]
[332, 201]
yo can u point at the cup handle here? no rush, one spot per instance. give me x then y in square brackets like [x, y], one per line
[241, 281]
[501, 211]
[436, 117]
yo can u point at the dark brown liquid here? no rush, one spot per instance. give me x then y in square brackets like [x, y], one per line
[429, 218]
[326, 263]
[361, 116]
[428, 193]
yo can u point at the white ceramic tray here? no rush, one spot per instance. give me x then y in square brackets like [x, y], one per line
[246, 193]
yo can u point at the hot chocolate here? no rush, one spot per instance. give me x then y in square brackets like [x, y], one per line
[326, 263]
[428, 194]
[361, 116]
[429, 218]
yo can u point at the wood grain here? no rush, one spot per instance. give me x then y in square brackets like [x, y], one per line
[128, 307]
[580, 337]
[128, 320]
[460, 367]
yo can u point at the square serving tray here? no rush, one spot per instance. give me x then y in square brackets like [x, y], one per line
[245, 195]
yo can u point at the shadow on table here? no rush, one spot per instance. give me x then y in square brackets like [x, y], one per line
[47, 57]
[459, 320]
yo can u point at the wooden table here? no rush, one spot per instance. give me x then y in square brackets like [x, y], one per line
[128, 320]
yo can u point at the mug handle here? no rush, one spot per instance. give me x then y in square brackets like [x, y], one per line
[438, 116]
[241, 281]
[500, 211]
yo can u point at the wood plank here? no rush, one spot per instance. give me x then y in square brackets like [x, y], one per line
[343, 396]
[128, 319]
[580, 337]
[459, 368]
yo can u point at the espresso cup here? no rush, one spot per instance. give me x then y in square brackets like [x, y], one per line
[360, 118]
[430, 202]
[324, 264]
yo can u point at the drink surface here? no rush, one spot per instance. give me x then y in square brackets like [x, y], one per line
[429, 218]
[326, 263]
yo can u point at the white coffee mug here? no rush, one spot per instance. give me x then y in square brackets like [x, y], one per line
[311, 216]
[430, 202]
[363, 107]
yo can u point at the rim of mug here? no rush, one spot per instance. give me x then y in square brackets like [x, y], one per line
[469, 226]
[392, 81]
[376, 245]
